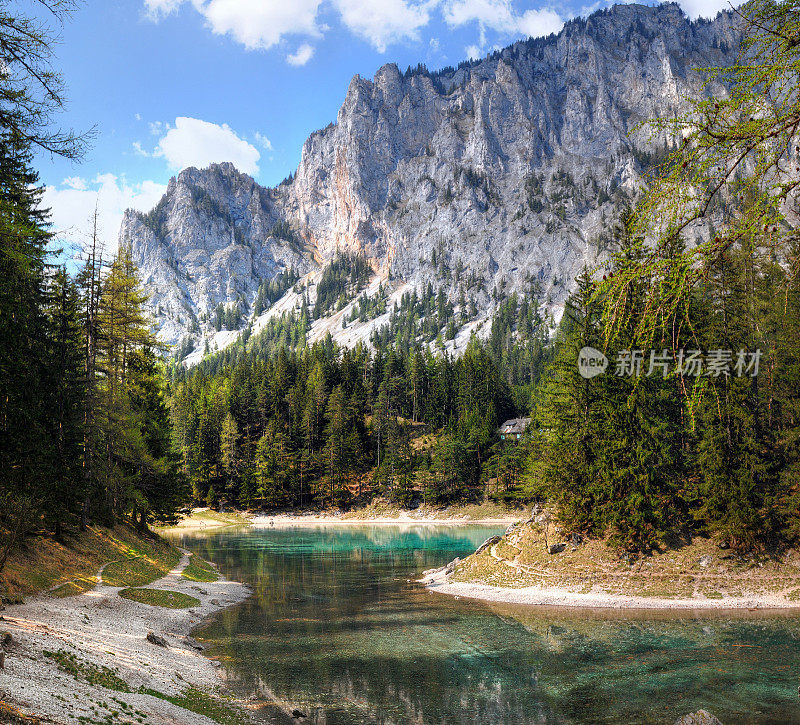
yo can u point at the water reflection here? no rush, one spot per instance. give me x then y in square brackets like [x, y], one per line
[338, 629]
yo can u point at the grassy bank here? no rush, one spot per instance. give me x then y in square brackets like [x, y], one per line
[70, 566]
[696, 569]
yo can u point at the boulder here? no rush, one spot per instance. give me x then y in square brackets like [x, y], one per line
[194, 644]
[5, 639]
[556, 548]
[701, 717]
[451, 567]
[705, 561]
[156, 639]
[491, 541]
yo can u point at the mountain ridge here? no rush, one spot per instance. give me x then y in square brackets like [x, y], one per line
[502, 175]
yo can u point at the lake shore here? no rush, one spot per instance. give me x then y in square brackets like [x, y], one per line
[533, 564]
[538, 596]
[202, 518]
[88, 656]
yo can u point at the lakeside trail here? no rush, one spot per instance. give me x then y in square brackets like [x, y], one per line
[99, 648]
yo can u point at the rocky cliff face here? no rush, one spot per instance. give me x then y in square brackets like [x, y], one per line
[501, 175]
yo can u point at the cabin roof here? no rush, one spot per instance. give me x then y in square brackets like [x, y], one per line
[514, 425]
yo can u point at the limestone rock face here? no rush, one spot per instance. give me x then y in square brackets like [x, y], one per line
[502, 175]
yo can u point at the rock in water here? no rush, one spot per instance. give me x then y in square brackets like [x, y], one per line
[156, 639]
[701, 717]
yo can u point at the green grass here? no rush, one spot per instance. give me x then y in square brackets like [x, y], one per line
[199, 570]
[145, 562]
[202, 703]
[80, 670]
[43, 563]
[160, 598]
[79, 585]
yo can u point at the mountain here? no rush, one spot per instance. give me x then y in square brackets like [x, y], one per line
[502, 175]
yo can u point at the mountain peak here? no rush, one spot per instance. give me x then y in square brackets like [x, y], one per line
[501, 175]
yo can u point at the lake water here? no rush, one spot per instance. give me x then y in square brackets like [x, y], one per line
[338, 629]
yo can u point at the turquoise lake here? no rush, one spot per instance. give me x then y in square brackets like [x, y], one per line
[338, 629]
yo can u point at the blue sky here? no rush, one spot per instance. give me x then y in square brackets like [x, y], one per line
[175, 83]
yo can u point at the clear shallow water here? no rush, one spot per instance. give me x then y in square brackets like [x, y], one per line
[337, 630]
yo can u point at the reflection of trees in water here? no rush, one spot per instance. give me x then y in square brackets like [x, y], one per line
[346, 637]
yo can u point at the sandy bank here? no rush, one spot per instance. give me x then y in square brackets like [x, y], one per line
[99, 629]
[561, 597]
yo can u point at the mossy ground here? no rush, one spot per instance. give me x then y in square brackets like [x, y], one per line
[202, 703]
[199, 570]
[521, 560]
[160, 598]
[67, 567]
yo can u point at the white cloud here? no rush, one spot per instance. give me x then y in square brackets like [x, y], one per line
[72, 205]
[139, 149]
[499, 15]
[473, 52]
[74, 182]
[704, 8]
[303, 54]
[158, 8]
[263, 141]
[260, 24]
[157, 128]
[383, 22]
[537, 23]
[138, 116]
[495, 14]
[193, 142]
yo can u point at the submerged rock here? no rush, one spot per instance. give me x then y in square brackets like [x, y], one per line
[701, 717]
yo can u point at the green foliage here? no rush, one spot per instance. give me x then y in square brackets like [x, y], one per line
[81, 670]
[301, 427]
[160, 598]
[342, 279]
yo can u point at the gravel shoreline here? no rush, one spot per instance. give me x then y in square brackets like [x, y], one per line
[100, 629]
[329, 519]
